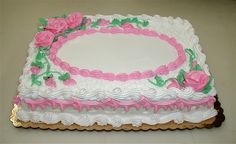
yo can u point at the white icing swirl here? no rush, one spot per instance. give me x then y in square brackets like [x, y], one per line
[117, 118]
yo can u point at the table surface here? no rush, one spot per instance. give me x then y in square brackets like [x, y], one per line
[214, 23]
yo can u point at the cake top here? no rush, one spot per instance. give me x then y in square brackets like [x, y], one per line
[116, 56]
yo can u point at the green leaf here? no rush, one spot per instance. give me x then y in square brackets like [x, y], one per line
[145, 23]
[64, 76]
[63, 34]
[40, 29]
[39, 56]
[134, 20]
[64, 16]
[48, 75]
[95, 23]
[208, 87]
[37, 64]
[43, 21]
[83, 27]
[69, 31]
[191, 54]
[35, 80]
[180, 77]
[159, 81]
[125, 20]
[197, 67]
[116, 22]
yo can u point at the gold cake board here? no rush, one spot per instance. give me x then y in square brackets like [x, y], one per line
[209, 123]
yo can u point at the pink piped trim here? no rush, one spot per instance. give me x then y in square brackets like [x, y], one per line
[98, 74]
[143, 102]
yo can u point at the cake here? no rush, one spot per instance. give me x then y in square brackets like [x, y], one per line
[115, 72]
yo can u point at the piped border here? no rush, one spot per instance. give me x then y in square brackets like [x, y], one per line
[210, 123]
[143, 102]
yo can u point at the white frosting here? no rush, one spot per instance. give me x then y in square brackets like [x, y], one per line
[116, 118]
[117, 53]
[96, 89]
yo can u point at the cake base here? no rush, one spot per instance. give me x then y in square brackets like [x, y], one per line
[209, 123]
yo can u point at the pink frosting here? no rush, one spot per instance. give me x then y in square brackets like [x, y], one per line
[174, 83]
[127, 25]
[143, 102]
[74, 19]
[35, 70]
[196, 79]
[162, 70]
[104, 22]
[43, 39]
[69, 82]
[56, 25]
[50, 82]
[88, 22]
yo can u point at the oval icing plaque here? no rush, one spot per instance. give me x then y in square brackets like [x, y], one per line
[100, 53]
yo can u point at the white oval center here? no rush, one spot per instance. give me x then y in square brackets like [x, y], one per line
[117, 53]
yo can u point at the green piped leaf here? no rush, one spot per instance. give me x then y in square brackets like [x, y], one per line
[69, 31]
[48, 75]
[63, 34]
[145, 23]
[125, 20]
[37, 64]
[180, 77]
[64, 16]
[191, 55]
[197, 67]
[208, 87]
[116, 22]
[43, 21]
[34, 80]
[64, 76]
[159, 81]
[95, 23]
[83, 27]
[134, 20]
[40, 29]
[39, 56]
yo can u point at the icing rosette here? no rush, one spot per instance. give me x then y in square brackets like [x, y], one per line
[74, 20]
[44, 39]
[196, 79]
[56, 25]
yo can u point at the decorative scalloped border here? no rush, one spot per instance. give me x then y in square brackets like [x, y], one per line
[210, 123]
[143, 102]
[162, 70]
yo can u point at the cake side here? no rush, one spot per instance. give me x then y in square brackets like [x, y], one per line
[182, 86]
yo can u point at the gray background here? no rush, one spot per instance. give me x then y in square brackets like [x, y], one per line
[214, 23]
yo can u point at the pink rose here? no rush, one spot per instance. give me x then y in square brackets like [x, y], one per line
[74, 19]
[127, 25]
[50, 82]
[104, 22]
[196, 79]
[35, 70]
[56, 25]
[44, 39]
